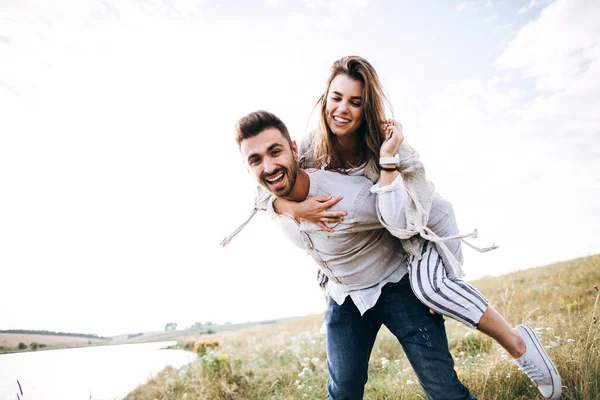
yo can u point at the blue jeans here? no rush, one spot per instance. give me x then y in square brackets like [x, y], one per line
[350, 339]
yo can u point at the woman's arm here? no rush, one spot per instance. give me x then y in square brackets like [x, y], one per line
[392, 197]
[312, 209]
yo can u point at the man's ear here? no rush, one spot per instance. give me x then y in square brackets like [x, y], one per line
[295, 150]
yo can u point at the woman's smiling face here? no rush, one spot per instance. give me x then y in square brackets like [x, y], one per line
[344, 107]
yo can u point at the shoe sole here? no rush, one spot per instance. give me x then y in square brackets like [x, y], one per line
[554, 375]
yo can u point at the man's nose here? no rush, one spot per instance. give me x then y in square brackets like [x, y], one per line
[269, 164]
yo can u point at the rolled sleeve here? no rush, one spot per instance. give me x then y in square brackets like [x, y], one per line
[392, 201]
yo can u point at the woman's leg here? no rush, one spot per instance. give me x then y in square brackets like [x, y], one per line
[449, 296]
[459, 300]
[494, 326]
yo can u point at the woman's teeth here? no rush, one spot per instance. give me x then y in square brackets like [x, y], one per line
[341, 120]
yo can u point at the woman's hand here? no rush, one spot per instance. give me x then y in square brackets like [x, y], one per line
[313, 209]
[394, 138]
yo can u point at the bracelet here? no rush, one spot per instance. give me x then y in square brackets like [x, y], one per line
[388, 169]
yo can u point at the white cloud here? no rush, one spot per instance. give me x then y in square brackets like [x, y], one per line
[560, 52]
[461, 6]
[532, 4]
[556, 47]
[491, 18]
[530, 153]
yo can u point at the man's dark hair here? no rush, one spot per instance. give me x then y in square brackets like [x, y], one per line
[256, 122]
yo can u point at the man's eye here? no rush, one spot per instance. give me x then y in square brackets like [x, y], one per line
[253, 161]
[276, 152]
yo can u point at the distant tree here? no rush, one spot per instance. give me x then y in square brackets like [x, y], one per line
[33, 345]
[22, 346]
[197, 325]
[171, 326]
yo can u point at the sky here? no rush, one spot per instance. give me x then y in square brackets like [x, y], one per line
[119, 175]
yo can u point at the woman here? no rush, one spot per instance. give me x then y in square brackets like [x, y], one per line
[352, 129]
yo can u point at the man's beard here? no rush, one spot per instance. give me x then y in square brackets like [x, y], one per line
[289, 176]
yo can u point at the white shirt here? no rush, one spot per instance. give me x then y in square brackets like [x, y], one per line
[360, 256]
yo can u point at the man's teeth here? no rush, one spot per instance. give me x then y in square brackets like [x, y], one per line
[275, 178]
[341, 120]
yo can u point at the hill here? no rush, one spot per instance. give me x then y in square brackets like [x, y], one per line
[287, 360]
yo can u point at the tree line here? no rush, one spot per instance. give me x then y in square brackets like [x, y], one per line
[32, 332]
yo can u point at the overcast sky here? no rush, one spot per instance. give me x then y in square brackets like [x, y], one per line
[119, 175]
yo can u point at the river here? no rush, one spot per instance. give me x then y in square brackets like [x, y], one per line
[98, 373]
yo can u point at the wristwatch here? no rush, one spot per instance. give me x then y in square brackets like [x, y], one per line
[390, 160]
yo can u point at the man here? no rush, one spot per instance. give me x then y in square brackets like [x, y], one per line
[365, 265]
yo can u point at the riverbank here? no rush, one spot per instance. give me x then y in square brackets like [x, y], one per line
[288, 361]
[25, 342]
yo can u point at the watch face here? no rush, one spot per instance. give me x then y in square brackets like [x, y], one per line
[389, 160]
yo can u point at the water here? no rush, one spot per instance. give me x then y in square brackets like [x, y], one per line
[98, 373]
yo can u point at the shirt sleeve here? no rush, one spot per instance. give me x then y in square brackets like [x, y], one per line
[392, 201]
[270, 209]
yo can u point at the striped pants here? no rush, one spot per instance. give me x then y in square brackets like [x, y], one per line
[447, 295]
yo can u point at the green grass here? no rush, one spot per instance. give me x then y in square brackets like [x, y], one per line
[287, 360]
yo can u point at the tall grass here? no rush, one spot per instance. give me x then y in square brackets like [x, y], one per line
[288, 361]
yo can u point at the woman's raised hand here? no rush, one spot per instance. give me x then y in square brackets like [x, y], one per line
[313, 209]
[393, 138]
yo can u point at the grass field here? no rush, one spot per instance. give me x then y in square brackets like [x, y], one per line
[287, 360]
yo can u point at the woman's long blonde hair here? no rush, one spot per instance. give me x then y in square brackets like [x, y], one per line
[370, 134]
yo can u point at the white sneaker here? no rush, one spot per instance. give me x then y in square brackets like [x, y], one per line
[536, 364]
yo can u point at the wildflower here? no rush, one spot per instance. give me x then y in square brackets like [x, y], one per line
[409, 382]
[304, 372]
[570, 340]
[315, 361]
[594, 319]
[467, 334]
[297, 382]
[596, 288]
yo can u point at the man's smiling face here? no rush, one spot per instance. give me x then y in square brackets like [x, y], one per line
[271, 160]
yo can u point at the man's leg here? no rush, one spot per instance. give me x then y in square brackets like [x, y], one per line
[350, 339]
[423, 338]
